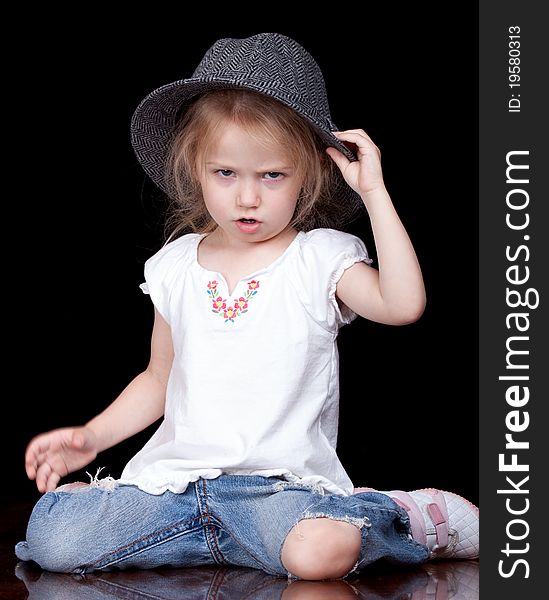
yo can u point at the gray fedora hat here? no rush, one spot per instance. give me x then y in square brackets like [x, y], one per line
[269, 63]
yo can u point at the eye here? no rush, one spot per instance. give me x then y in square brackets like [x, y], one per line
[224, 173]
[273, 175]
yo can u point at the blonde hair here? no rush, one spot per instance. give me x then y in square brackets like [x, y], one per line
[267, 121]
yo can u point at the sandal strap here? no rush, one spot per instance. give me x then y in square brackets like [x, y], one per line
[438, 511]
[404, 500]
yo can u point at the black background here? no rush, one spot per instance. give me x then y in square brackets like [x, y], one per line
[86, 219]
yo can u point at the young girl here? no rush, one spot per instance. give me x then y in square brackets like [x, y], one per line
[244, 364]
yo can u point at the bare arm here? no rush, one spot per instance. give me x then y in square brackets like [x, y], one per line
[52, 455]
[142, 401]
[395, 294]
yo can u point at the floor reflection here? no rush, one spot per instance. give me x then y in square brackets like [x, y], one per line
[436, 581]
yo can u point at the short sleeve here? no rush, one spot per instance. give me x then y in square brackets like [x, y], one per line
[324, 256]
[163, 270]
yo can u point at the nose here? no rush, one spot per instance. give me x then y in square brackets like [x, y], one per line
[248, 194]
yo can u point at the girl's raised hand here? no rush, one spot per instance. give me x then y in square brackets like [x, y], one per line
[365, 174]
[57, 453]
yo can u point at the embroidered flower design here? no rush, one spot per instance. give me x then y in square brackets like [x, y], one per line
[239, 307]
[218, 304]
[241, 304]
[230, 313]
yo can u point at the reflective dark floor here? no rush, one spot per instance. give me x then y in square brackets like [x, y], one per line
[18, 580]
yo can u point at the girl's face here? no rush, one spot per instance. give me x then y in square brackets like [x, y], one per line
[250, 190]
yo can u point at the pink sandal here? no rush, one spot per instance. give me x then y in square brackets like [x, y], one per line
[443, 521]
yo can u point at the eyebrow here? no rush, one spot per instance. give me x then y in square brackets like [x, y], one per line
[275, 169]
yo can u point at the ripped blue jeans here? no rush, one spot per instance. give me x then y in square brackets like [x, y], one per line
[230, 520]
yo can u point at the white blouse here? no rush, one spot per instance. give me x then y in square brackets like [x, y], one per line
[254, 386]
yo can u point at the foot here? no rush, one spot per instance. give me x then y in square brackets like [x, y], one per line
[445, 522]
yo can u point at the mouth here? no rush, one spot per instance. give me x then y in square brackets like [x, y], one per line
[248, 225]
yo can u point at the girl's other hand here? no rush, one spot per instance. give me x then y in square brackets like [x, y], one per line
[57, 453]
[364, 175]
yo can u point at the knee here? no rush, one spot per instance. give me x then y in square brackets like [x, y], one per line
[53, 538]
[321, 548]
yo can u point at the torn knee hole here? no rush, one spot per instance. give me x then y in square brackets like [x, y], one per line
[359, 522]
[314, 487]
[107, 483]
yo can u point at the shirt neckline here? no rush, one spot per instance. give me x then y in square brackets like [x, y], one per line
[255, 273]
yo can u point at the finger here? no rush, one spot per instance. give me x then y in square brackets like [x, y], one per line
[351, 132]
[36, 447]
[30, 469]
[47, 476]
[340, 160]
[52, 482]
[358, 137]
[30, 464]
[359, 132]
[42, 475]
[32, 461]
[39, 459]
